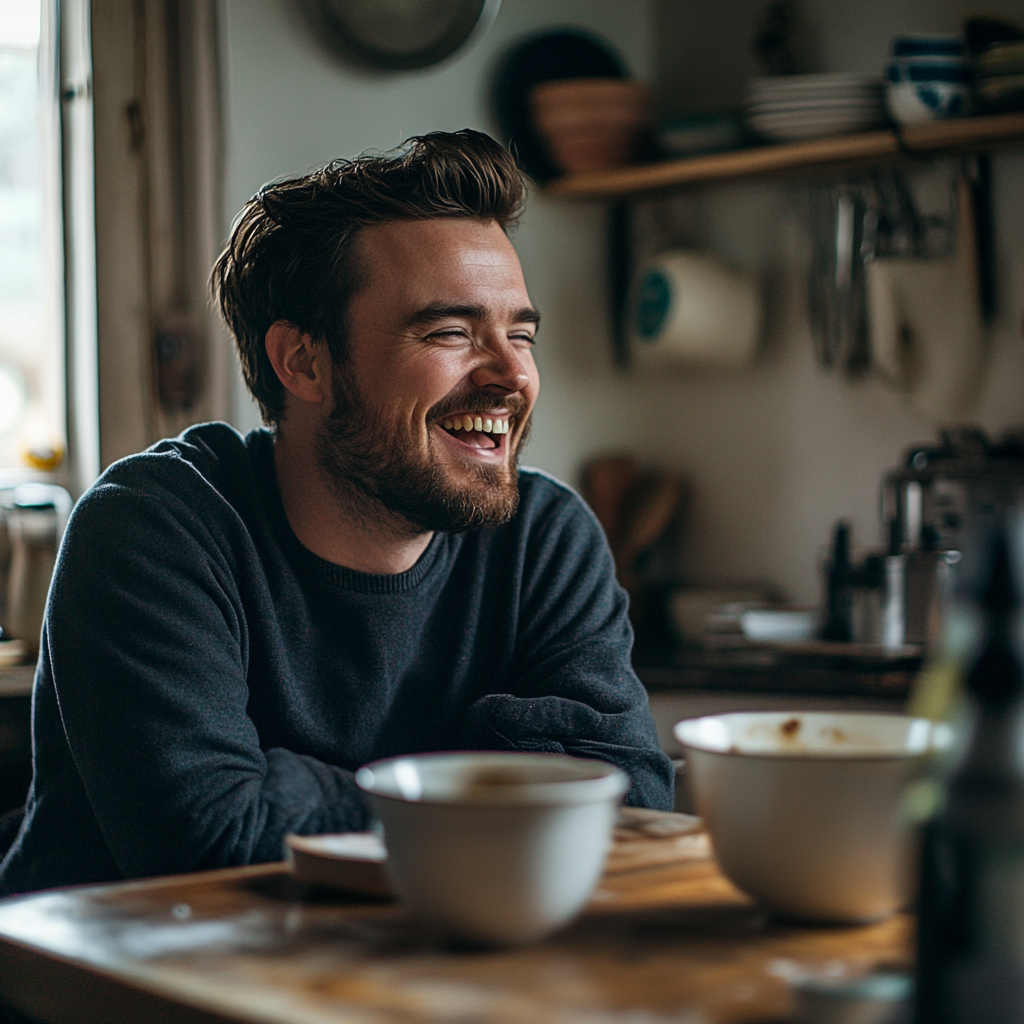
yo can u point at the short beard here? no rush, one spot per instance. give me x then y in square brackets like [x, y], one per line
[368, 464]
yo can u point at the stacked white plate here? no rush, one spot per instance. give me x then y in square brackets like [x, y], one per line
[788, 107]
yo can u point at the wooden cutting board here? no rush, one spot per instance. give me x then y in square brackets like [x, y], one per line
[648, 839]
[642, 840]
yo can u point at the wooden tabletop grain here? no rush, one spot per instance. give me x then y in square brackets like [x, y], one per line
[672, 943]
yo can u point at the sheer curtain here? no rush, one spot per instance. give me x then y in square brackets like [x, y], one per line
[164, 362]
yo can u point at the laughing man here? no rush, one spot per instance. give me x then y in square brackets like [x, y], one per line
[237, 624]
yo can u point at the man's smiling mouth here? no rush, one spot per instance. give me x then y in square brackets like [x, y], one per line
[475, 430]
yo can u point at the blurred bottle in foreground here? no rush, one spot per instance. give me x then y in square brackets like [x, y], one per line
[971, 903]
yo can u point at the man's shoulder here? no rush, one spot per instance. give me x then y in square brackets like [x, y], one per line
[552, 514]
[542, 495]
[206, 455]
[194, 480]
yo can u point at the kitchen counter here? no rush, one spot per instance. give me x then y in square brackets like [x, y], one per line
[16, 681]
[15, 734]
[687, 683]
[822, 669]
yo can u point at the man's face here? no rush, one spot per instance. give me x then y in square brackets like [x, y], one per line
[433, 400]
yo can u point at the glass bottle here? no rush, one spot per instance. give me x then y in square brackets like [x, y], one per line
[971, 902]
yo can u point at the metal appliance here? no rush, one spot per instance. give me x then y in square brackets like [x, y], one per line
[940, 496]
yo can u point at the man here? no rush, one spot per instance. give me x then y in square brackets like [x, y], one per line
[236, 625]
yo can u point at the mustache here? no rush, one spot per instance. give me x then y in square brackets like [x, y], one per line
[476, 401]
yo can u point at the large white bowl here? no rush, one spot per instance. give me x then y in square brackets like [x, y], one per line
[806, 810]
[494, 847]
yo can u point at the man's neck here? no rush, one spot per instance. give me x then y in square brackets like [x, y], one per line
[340, 527]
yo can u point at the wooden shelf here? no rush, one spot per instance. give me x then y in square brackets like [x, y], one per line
[839, 152]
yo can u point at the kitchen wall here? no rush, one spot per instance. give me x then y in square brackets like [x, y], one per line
[776, 452]
[783, 450]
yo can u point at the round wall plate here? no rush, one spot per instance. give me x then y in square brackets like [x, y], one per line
[398, 35]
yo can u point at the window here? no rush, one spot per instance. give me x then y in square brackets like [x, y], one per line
[32, 373]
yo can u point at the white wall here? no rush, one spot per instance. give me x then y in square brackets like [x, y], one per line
[776, 453]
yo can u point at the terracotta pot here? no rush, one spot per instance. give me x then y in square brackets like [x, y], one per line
[591, 124]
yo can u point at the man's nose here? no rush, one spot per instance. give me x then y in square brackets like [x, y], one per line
[502, 369]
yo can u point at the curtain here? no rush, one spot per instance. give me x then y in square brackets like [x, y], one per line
[164, 361]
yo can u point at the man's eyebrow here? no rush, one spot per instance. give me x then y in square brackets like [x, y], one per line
[438, 311]
[527, 315]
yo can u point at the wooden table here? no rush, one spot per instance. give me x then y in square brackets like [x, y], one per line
[669, 943]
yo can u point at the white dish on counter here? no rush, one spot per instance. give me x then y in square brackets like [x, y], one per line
[353, 861]
[761, 625]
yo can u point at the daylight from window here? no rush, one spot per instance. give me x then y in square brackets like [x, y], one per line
[32, 393]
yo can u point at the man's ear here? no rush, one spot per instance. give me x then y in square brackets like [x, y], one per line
[302, 367]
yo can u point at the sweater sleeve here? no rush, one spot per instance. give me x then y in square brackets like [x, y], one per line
[575, 690]
[148, 644]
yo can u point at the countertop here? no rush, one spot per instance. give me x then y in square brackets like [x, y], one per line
[16, 680]
[669, 943]
[827, 670]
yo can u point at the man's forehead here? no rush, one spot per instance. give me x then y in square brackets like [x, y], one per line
[455, 238]
[434, 262]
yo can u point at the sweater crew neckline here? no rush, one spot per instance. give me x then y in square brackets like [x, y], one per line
[311, 565]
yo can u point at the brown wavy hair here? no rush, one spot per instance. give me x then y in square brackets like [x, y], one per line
[291, 255]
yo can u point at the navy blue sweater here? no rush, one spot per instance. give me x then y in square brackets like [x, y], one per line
[207, 684]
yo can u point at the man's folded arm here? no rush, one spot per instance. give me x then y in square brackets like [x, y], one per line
[574, 686]
[148, 645]
[607, 719]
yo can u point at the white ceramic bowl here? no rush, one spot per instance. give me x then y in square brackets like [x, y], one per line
[805, 810]
[494, 847]
[767, 625]
[923, 89]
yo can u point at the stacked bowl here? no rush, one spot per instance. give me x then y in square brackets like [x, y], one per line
[999, 76]
[927, 79]
[790, 107]
[591, 124]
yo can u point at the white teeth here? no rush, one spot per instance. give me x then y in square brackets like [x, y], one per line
[482, 423]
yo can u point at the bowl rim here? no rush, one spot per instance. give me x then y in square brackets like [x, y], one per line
[610, 782]
[601, 83]
[809, 755]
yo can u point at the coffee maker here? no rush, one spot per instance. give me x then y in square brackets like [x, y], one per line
[939, 496]
[930, 505]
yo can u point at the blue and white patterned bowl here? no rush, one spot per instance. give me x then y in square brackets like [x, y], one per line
[921, 89]
[925, 44]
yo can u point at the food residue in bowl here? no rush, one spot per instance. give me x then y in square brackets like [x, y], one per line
[810, 734]
[790, 730]
[483, 780]
[794, 736]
